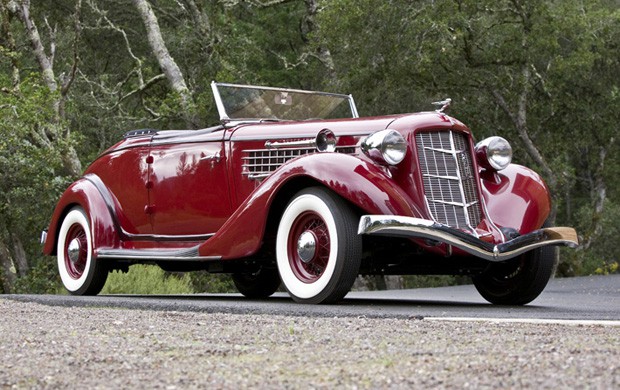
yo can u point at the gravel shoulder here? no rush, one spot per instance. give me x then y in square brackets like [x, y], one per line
[61, 347]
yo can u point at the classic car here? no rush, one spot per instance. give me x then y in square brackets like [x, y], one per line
[294, 188]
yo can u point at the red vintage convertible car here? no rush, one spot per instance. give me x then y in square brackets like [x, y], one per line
[294, 188]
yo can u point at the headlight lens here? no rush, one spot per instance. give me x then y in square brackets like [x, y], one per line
[494, 153]
[385, 146]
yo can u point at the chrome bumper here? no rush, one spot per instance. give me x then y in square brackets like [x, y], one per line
[394, 225]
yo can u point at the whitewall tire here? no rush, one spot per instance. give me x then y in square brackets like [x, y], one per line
[79, 272]
[318, 249]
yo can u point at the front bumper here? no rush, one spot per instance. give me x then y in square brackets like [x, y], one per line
[399, 226]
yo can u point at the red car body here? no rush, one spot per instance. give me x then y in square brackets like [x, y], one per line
[213, 199]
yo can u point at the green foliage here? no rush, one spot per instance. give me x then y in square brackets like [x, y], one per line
[147, 279]
[211, 283]
[31, 175]
[43, 278]
[427, 281]
[601, 258]
[393, 56]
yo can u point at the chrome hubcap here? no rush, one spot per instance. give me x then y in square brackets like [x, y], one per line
[73, 250]
[306, 246]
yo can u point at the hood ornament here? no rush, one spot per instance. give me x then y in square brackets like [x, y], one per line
[442, 105]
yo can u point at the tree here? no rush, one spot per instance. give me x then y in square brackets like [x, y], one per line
[539, 72]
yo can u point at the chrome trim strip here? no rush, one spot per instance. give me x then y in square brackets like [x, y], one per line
[182, 254]
[158, 258]
[287, 149]
[269, 137]
[258, 176]
[310, 144]
[401, 226]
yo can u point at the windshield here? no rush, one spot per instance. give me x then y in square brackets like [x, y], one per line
[241, 102]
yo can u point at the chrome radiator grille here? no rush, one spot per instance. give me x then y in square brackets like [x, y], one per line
[449, 178]
[260, 163]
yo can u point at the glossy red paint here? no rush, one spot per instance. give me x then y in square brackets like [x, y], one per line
[189, 190]
[124, 172]
[516, 197]
[178, 185]
[363, 184]
[85, 194]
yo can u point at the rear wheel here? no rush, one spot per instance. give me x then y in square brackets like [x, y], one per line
[80, 274]
[517, 281]
[317, 246]
[260, 284]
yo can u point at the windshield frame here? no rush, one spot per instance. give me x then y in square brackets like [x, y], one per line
[225, 118]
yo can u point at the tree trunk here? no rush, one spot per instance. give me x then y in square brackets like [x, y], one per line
[71, 162]
[7, 274]
[45, 64]
[598, 193]
[19, 256]
[322, 52]
[519, 121]
[165, 60]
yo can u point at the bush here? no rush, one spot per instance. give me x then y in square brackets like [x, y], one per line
[204, 282]
[147, 279]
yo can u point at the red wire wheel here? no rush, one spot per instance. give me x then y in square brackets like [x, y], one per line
[309, 247]
[76, 251]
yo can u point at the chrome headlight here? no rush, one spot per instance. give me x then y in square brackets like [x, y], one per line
[385, 146]
[494, 153]
[325, 141]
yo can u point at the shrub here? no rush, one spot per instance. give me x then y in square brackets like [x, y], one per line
[147, 279]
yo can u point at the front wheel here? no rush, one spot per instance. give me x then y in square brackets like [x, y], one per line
[517, 281]
[80, 274]
[318, 249]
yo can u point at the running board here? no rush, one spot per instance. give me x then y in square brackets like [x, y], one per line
[185, 254]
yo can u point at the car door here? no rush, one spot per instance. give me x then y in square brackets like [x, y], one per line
[188, 184]
[123, 173]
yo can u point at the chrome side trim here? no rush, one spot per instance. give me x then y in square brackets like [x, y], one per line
[184, 254]
[400, 226]
[310, 143]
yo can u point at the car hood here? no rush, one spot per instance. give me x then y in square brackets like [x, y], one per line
[357, 126]
[340, 127]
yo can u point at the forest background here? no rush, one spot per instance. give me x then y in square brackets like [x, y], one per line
[75, 75]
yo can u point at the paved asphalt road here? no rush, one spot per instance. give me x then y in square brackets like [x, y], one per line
[584, 299]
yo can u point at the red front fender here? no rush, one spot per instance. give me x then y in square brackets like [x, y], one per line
[516, 197]
[85, 194]
[363, 184]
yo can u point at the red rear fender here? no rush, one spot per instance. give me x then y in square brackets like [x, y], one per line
[84, 193]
